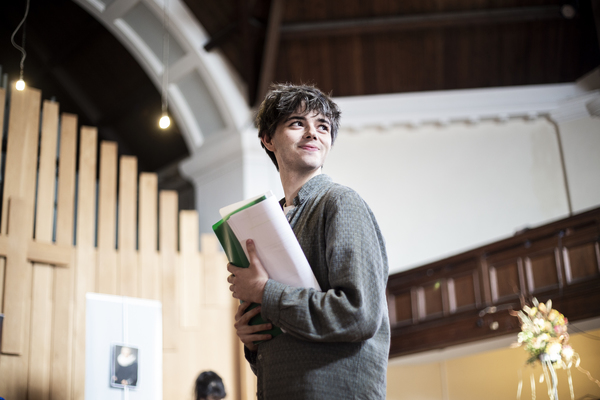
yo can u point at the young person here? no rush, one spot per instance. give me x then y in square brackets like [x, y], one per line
[209, 386]
[335, 343]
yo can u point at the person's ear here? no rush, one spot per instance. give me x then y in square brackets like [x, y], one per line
[267, 141]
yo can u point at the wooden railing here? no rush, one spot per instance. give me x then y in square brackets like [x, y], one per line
[467, 297]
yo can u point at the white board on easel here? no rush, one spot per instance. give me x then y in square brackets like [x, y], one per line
[114, 322]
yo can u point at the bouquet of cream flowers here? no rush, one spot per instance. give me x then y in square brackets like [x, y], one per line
[544, 334]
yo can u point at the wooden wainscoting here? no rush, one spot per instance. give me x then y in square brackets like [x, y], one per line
[467, 297]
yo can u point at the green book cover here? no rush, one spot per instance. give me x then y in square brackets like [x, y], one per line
[236, 256]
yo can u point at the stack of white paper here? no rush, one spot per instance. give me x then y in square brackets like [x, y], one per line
[276, 245]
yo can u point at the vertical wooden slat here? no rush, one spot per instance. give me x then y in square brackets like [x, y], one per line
[149, 279]
[40, 354]
[16, 329]
[19, 185]
[167, 243]
[107, 219]
[85, 267]
[215, 289]
[62, 328]
[128, 266]
[2, 261]
[22, 146]
[191, 280]
[168, 252]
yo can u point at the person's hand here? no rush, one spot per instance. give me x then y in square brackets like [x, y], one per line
[248, 284]
[248, 333]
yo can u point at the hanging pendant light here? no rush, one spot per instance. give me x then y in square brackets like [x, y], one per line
[165, 120]
[21, 82]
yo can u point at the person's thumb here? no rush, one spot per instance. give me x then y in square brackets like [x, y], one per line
[251, 251]
[252, 256]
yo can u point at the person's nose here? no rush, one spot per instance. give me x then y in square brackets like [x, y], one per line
[311, 131]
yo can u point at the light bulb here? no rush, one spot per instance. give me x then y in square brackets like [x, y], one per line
[20, 84]
[164, 122]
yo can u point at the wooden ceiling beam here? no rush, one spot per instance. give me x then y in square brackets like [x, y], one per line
[414, 22]
[269, 60]
[596, 12]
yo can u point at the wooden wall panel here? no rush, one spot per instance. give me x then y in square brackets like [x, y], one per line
[581, 261]
[107, 219]
[149, 278]
[64, 278]
[506, 279]
[433, 299]
[21, 157]
[190, 267]
[85, 264]
[40, 352]
[484, 283]
[17, 306]
[168, 258]
[43, 357]
[128, 264]
[2, 260]
[543, 271]
[216, 289]
[463, 292]
[403, 306]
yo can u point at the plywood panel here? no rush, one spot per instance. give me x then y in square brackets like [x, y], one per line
[216, 288]
[85, 264]
[128, 265]
[16, 330]
[107, 219]
[19, 185]
[168, 258]
[62, 327]
[149, 279]
[2, 260]
[2, 106]
[191, 279]
[22, 147]
[40, 352]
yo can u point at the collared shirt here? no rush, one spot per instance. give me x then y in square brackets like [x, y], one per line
[337, 340]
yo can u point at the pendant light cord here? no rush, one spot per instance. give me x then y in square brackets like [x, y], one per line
[165, 56]
[12, 40]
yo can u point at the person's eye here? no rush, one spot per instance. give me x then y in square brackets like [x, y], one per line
[325, 127]
[296, 123]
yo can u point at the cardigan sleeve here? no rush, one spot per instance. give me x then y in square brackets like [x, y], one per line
[351, 250]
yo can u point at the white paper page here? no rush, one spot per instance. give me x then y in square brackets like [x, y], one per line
[232, 207]
[276, 245]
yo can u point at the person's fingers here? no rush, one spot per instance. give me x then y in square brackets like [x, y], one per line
[247, 316]
[232, 268]
[242, 309]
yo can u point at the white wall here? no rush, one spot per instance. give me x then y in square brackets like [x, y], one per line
[581, 144]
[440, 190]
[444, 172]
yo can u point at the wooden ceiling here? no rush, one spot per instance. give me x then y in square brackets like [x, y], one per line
[355, 47]
[346, 47]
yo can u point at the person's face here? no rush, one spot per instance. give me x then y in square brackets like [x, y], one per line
[301, 142]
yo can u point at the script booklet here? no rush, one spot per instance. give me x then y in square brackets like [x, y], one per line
[261, 219]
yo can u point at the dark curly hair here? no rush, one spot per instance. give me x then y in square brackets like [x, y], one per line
[283, 100]
[209, 383]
